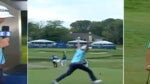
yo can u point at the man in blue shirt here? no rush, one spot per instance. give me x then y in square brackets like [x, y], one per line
[4, 13]
[77, 62]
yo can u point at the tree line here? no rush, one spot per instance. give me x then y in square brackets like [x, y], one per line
[111, 29]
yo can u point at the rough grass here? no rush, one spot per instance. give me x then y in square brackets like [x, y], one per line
[137, 36]
[24, 57]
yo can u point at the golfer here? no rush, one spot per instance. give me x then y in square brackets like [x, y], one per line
[148, 58]
[77, 63]
[4, 13]
[55, 60]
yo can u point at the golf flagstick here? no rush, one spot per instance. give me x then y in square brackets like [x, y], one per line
[147, 81]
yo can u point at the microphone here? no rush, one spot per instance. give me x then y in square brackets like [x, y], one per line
[5, 32]
[5, 28]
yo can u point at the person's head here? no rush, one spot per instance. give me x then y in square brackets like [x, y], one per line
[84, 47]
[4, 13]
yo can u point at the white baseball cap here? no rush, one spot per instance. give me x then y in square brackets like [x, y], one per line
[4, 12]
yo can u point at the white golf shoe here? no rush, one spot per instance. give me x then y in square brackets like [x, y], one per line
[97, 81]
[55, 82]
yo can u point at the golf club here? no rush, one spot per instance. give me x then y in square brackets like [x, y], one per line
[147, 81]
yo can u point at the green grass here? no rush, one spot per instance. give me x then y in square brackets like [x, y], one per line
[24, 57]
[137, 36]
[78, 77]
[137, 5]
[107, 62]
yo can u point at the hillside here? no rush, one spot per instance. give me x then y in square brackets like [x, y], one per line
[137, 5]
[136, 39]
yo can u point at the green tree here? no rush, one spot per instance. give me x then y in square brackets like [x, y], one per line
[34, 31]
[113, 30]
[80, 26]
[96, 28]
[55, 31]
[50, 30]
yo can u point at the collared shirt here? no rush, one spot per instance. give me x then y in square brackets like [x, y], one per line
[78, 56]
[2, 58]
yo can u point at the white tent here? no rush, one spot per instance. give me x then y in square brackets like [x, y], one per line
[41, 43]
[101, 42]
[103, 45]
[76, 41]
[41, 40]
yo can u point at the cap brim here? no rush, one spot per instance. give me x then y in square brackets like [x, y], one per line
[6, 15]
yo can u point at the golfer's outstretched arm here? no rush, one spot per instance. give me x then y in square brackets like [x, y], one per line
[87, 47]
[148, 57]
[78, 45]
[148, 60]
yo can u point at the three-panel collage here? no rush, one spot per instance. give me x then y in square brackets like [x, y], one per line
[74, 42]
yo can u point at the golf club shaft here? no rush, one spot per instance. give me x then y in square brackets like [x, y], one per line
[148, 78]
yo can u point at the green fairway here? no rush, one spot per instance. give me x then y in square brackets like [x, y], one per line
[24, 57]
[106, 64]
[137, 36]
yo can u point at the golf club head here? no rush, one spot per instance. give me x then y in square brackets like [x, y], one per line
[147, 82]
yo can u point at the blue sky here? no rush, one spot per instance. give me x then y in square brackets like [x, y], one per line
[72, 10]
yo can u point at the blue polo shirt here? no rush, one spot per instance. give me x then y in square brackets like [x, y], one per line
[2, 58]
[78, 56]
